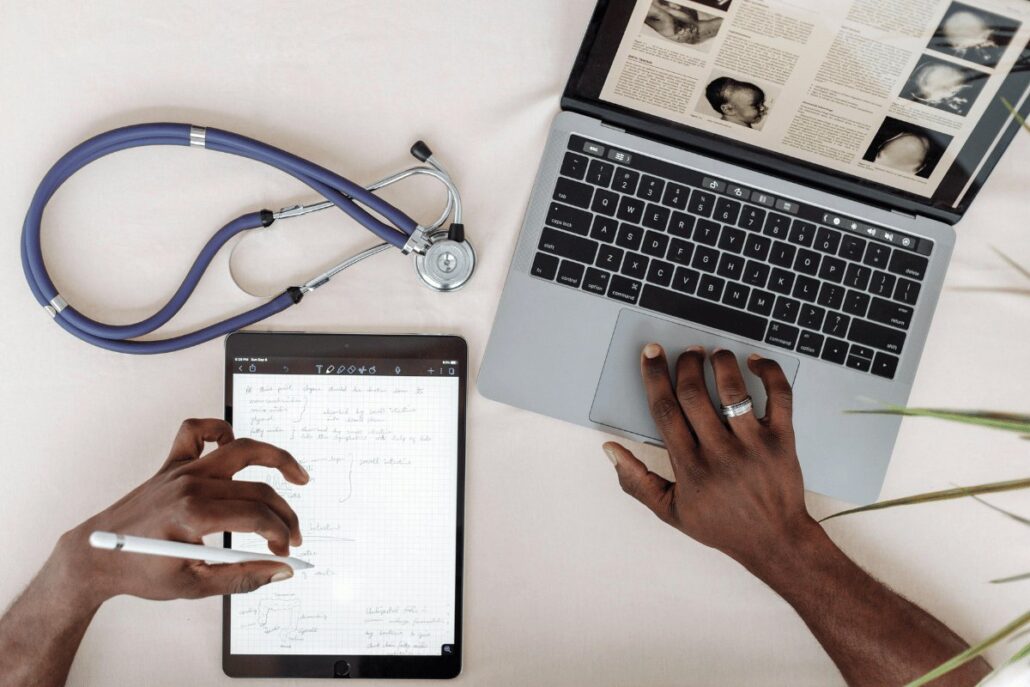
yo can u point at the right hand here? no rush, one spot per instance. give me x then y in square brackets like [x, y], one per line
[190, 496]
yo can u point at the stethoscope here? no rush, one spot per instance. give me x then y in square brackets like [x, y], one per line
[443, 257]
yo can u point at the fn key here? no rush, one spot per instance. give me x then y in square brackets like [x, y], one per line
[544, 265]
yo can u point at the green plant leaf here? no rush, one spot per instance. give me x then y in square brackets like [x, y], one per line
[973, 651]
[1014, 578]
[1015, 114]
[1011, 422]
[1009, 514]
[946, 494]
[1012, 263]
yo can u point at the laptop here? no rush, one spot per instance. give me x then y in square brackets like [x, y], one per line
[764, 177]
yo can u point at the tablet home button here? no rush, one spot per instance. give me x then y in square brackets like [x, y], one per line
[341, 669]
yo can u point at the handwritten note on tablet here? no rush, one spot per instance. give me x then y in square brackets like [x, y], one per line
[377, 516]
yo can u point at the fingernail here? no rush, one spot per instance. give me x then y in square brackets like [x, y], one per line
[753, 357]
[612, 455]
[696, 349]
[281, 575]
[307, 477]
[717, 349]
[652, 351]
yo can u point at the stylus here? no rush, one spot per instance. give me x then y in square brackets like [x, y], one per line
[176, 549]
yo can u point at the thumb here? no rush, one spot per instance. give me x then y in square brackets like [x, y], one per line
[238, 578]
[652, 490]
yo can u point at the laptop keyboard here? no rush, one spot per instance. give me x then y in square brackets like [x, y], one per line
[669, 239]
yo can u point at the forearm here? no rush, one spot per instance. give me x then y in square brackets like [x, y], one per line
[873, 635]
[41, 631]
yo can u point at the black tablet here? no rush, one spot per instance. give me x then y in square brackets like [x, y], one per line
[379, 424]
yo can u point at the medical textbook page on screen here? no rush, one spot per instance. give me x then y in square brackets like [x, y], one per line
[887, 91]
[378, 517]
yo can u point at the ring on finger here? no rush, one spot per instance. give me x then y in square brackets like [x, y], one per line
[737, 409]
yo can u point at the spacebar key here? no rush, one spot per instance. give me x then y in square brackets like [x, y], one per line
[702, 312]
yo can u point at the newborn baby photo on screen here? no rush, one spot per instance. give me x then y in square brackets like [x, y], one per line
[944, 85]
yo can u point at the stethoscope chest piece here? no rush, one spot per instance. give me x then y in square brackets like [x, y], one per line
[446, 264]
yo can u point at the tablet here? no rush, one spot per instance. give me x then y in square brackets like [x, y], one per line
[379, 424]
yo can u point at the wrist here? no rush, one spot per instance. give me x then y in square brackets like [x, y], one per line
[71, 574]
[794, 555]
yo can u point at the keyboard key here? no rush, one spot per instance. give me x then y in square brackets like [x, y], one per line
[650, 188]
[707, 232]
[713, 184]
[806, 288]
[676, 196]
[568, 245]
[573, 192]
[738, 192]
[757, 246]
[655, 244]
[629, 236]
[882, 284]
[609, 257]
[860, 364]
[751, 218]
[605, 202]
[711, 287]
[802, 233]
[906, 291]
[777, 226]
[568, 218]
[660, 272]
[623, 289]
[857, 276]
[782, 254]
[620, 156]
[730, 266]
[856, 303]
[786, 309]
[680, 251]
[701, 203]
[836, 324]
[570, 273]
[681, 225]
[756, 273]
[656, 217]
[781, 281]
[884, 365]
[835, 351]
[782, 335]
[852, 247]
[832, 269]
[685, 279]
[600, 173]
[596, 280]
[736, 295]
[827, 240]
[604, 229]
[807, 262]
[703, 312]
[761, 302]
[731, 239]
[592, 148]
[861, 351]
[831, 296]
[888, 312]
[876, 254]
[908, 264]
[811, 317]
[630, 209]
[787, 206]
[726, 211]
[574, 165]
[625, 180]
[705, 258]
[810, 343]
[634, 266]
[544, 265]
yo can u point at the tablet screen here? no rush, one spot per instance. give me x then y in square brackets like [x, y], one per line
[380, 438]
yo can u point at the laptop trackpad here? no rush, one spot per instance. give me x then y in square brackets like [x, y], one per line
[619, 400]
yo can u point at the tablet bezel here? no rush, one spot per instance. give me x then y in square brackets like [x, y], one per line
[359, 346]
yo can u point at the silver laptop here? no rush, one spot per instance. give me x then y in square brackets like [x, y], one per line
[707, 184]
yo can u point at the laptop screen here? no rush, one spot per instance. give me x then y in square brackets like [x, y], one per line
[909, 99]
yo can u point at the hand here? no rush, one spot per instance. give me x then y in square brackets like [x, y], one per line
[190, 496]
[738, 484]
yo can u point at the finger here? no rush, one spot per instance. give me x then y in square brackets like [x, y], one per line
[193, 434]
[729, 383]
[665, 409]
[237, 515]
[654, 491]
[780, 398]
[236, 455]
[692, 393]
[254, 491]
[233, 578]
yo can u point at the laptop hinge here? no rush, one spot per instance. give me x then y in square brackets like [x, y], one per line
[902, 213]
[606, 125]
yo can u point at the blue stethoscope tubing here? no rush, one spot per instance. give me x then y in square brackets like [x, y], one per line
[343, 193]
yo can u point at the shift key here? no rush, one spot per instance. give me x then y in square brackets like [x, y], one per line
[568, 245]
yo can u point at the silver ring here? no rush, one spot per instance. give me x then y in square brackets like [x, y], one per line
[737, 409]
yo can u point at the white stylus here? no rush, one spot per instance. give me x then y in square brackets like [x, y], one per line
[178, 549]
